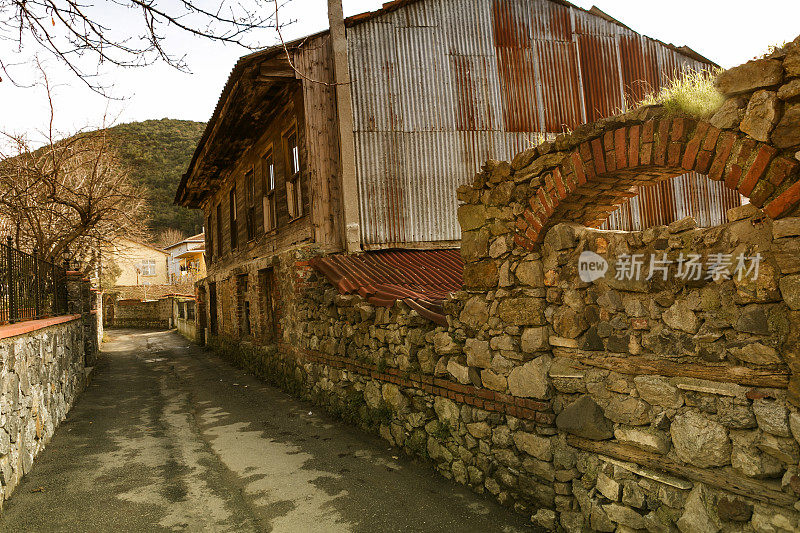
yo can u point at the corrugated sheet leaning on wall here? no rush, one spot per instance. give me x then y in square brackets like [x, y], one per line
[441, 86]
[691, 194]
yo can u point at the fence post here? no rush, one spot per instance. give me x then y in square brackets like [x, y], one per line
[12, 307]
[37, 299]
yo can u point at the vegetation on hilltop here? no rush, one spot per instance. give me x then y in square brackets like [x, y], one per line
[157, 153]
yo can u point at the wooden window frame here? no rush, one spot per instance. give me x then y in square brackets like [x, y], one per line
[209, 238]
[293, 174]
[233, 215]
[219, 229]
[147, 263]
[270, 218]
[250, 203]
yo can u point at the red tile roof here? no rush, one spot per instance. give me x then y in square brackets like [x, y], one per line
[420, 278]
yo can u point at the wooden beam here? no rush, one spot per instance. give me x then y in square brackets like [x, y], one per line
[636, 365]
[351, 218]
[728, 480]
[274, 76]
[277, 66]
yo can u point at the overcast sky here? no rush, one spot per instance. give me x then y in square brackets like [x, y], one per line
[728, 32]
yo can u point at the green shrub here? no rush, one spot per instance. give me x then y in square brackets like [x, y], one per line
[691, 93]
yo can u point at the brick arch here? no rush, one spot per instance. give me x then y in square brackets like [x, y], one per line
[584, 177]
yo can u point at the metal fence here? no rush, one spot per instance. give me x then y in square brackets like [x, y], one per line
[30, 287]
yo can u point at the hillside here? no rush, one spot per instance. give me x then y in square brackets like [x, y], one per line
[158, 153]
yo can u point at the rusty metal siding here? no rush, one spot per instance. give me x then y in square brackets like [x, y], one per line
[439, 86]
[690, 194]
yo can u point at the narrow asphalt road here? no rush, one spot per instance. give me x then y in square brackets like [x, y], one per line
[169, 437]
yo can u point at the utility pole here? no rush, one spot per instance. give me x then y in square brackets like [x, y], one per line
[344, 109]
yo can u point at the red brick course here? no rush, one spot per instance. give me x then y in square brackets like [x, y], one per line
[584, 187]
[525, 408]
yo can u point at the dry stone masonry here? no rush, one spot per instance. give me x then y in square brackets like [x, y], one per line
[628, 401]
[44, 365]
[42, 374]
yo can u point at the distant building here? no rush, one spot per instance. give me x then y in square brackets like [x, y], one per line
[191, 265]
[186, 261]
[134, 263]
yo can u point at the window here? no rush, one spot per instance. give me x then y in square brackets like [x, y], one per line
[234, 229]
[250, 202]
[268, 175]
[266, 282]
[212, 307]
[219, 230]
[147, 267]
[294, 196]
[243, 305]
[210, 243]
[202, 306]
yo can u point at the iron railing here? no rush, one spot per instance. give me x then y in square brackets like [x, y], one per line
[30, 287]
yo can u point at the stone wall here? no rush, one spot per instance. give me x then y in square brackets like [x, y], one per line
[44, 366]
[689, 377]
[150, 292]
[148, 314]
[590, 406]
[42, 374]
[606, 405]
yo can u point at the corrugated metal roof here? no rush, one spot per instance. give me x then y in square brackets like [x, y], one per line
[479, 107]
[440, 86]
[420, 278]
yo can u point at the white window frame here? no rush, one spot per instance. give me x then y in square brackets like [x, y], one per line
[147, 267]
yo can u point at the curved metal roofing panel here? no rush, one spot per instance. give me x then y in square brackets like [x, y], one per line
[420, 278]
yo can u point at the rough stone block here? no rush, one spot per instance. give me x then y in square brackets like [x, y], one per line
[471, 216]
[586, 419]
[772, 416]
[608, 487]
[535, 339]
[700, 441]
[647, 439]
[790, 290]
[750, 76]
[522, 311]
[657, 390]
[698, 515]
[534, 445]
[530, 380]
[787, 133]
[761, 115]
[478, 354]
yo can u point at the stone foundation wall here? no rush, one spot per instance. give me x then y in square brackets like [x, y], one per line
[590, 406]
[42, 374]
[686, 377]
[152, 314]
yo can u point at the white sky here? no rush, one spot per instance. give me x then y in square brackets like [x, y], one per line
[728, 32]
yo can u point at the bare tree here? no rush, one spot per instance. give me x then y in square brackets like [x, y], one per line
[72, 194]
[169, 236]
[76, 30]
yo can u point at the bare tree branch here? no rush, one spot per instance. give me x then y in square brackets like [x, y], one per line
[76, 30]
[73, 193]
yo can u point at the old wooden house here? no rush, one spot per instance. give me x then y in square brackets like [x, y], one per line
[436, 87]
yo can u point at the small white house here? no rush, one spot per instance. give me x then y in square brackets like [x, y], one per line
[176, 251]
